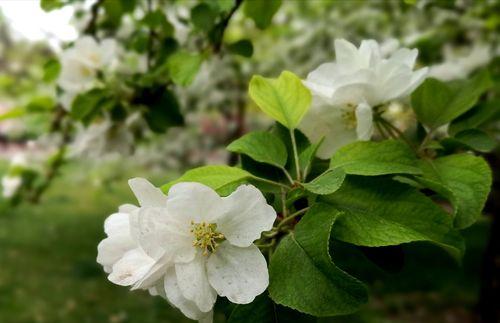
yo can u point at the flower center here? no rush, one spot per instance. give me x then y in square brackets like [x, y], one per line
[206, 236]
[349, 117]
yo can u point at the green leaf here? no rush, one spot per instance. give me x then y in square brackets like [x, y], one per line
[49, 5]
[263, 310]
[376, 158]
[183, 67]
[475, 117]
[241, 47]
[157, 20]
[437, 103]
[85, 104]
[51, 70]
[474, 139]
[203, 16]
[40, 104]
[217, 177]
[303, 275]
[13, 113]
[326, 183]
[261, 11]
[307, 156]
[463, 179]
[381, 212]
[163, 111]
[284, 99]
[263, 147]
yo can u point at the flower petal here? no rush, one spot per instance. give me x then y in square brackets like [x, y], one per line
[193, 282]
[240, 274]
[154, 275]
[247, 216]
[325, 121]
[146, 193]
[132, 267]
[194, 201]
[117, 223]
[161, 235]
[364, 121]
[175, 296]
[111, 249]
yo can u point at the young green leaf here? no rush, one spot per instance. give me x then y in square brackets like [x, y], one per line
[51, 70]
[284, 99]
[307, 156]
[303, 275]
[183, 67]
[475, 117]
[437, 103]
[370, 158]
[261, 11]
[474, 139]
[241, 47]
[326, 183]
[217, 177]
[464, 180]
[381, 212]
[86, 103]
[203, 16]
[263, 147]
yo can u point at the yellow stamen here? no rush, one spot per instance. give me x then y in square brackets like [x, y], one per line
[206, 236]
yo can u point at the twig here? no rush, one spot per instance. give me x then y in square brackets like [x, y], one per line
[222, 26]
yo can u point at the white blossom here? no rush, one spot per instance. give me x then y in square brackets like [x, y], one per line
[10, 185]
[80, 63]
[346, 91]
[459, 66]
[191, 246]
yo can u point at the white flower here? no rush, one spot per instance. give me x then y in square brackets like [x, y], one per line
[456, 66]
[345, 92]
[19, 160]
[191, 246]
[10, 185]
[80, 63]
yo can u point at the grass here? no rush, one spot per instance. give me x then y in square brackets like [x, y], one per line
[48, 271]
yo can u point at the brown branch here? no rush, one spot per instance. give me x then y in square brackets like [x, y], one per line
[221, 27]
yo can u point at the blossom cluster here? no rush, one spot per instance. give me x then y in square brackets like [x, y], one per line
[189, 246]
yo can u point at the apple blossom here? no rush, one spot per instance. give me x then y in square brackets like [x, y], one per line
[80, 63]
[10, 185]
[346, 91]
[191, 246]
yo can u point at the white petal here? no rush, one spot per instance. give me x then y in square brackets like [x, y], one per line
[417, 78]
[370, 51]
[174, 296]
[161, 235]
[326, 121]
[117, 223]
[364, 121]
[193, 282]
[404, 56]
[146, 193]
[108, 50]
[127, 208]
[346, 54]
[247, 216]
[240, 274]
[194, 201]
[154, 274]
[131, 268]
[320, 81]
[111, 249]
